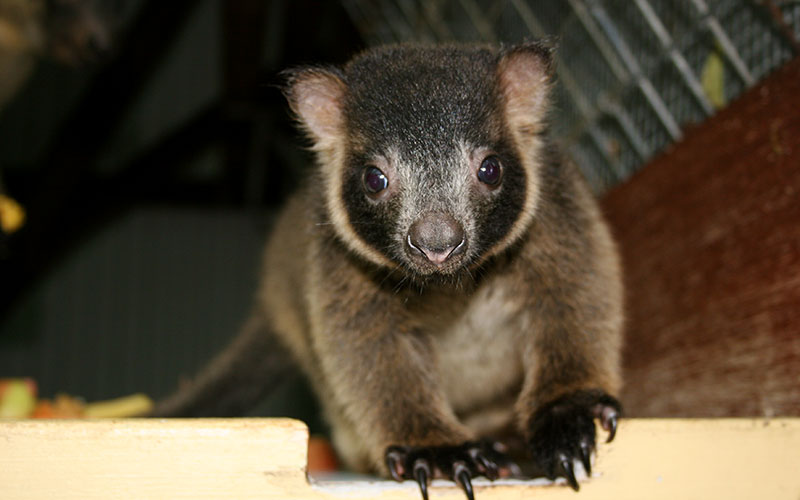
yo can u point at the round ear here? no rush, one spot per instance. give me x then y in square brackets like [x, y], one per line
[524, 75]
[316, 96]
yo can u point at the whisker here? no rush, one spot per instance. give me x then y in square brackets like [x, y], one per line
[471, 277]
[388, 275]
[355, 222]
[399, 285]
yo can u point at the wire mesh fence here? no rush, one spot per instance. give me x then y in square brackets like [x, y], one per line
[632, 74]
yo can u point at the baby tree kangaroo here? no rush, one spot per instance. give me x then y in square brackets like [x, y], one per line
[444, 277]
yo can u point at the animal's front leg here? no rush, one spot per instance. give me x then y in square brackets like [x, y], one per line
[563, 431]
[403, 419]
[384, 384]
[561, 399]
[571, 375]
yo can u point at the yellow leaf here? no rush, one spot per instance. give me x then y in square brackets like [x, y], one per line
[134, 405]
[12, 215]
[713, 79]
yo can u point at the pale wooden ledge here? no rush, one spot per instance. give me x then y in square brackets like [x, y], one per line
[266, 458]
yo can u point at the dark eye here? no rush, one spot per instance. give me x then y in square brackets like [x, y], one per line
[490, 171]
[375, 181]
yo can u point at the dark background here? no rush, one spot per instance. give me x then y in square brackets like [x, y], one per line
[149, 170]
[149, 162]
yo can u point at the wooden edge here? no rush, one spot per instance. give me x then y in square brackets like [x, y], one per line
[266, 459]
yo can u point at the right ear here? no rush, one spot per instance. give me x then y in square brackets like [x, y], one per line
[525, 74]
[316, 96]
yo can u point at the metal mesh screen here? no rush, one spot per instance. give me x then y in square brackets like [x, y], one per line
[632, 74]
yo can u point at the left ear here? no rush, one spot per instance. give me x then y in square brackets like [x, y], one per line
[316, 95]
[524, 77]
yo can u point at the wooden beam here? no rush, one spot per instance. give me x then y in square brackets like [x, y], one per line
[266, 458]
[710, 238]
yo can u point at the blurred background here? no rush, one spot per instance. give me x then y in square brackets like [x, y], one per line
[147, 142]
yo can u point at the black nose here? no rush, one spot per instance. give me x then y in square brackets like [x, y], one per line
[437, 237]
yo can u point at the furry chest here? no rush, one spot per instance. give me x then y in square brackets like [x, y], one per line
[478, 354]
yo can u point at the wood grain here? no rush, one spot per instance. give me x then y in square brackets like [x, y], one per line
[710, 238]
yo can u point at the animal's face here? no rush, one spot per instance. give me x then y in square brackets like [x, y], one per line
[424, 167]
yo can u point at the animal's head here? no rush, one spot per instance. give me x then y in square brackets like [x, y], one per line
[429, 156]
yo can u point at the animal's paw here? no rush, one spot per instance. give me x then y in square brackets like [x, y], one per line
[458, 463]
[563, 431]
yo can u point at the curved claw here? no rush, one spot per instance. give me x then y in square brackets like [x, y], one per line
[608, 411]
[392, 460]
[586, 452]
[612, 427]
[488, 468]
[569, 473]
[462, 476]
[422, 472]
[512, 469]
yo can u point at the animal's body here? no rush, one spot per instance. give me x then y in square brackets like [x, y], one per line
[444, 277]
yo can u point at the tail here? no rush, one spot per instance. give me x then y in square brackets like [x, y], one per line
[241, 376]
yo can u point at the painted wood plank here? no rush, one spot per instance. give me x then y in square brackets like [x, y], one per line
[265, 459]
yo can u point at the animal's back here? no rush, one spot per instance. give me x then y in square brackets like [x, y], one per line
[283, 287]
